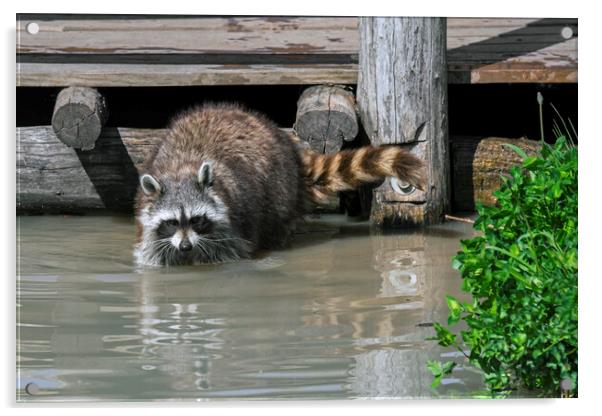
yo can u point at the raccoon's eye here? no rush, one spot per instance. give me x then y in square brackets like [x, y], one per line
[172, 223]
[201, 224]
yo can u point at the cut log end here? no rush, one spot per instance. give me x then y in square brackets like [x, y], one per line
[479, 164]
[79, 116]
[326, 116]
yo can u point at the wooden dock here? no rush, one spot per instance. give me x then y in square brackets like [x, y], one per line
[118, 51]
[81, 163]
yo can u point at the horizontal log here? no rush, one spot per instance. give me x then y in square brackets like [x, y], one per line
[478, 164]
[54, 178]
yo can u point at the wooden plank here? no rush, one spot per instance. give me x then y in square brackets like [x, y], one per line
[512, 22]
[230, 24]
[490, 51]
[195, 35]
[502, 73]
[511, 51]
[250, 35]
[116, 75]
[284, 50]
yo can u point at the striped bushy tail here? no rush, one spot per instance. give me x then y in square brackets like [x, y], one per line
[348, 169]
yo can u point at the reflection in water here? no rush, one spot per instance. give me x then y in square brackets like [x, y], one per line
[344, 313]
[177, 340]
[406, 282]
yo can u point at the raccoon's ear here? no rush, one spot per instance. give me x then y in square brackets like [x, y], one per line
[149, 184]
[205, 175]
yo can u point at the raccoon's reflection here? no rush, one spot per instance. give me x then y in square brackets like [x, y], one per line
[179, 339]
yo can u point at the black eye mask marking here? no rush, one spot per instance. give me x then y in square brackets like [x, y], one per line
[200, 224]
[167, 228]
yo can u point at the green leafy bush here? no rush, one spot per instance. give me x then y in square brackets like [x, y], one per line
[522, 275]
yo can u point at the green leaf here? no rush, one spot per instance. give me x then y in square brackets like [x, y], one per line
[522, 273]
[436, 382]
[444, 336]
[456, 263]
[435, 367]
[520, 338]
[531, 162]
[455, 310]
[516, 149]
[448, 367]
[438, 370]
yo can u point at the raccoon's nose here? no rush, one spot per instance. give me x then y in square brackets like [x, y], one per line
[185, 245]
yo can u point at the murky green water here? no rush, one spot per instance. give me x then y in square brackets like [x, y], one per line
[343, 313]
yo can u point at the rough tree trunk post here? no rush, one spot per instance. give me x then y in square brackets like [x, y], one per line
[402, 99]
[326, 115]
[78, 117]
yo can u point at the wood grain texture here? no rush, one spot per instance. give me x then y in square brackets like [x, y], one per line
[240, 35]
[478, 164]
[78, 117]
[512, 51]
[54, 178]
[118, 75]
[326, 116]
[195, 51]
[402, 99]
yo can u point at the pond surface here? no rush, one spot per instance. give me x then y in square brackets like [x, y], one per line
[343, 313]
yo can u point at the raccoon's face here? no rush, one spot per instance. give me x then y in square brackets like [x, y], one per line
[184, 231]
[187, 222]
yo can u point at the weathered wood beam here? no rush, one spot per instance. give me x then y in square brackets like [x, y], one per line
[79, 116]
[191, 35]
[172, 75]
[53, 178]
[195, 51]
[402, 99]
[326, 116]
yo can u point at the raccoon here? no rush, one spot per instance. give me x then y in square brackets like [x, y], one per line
[226, 182]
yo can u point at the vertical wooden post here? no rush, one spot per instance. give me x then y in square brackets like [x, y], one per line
[402, 99]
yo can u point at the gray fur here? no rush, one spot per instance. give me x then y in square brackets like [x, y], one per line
[251, 180]
[233, 166]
